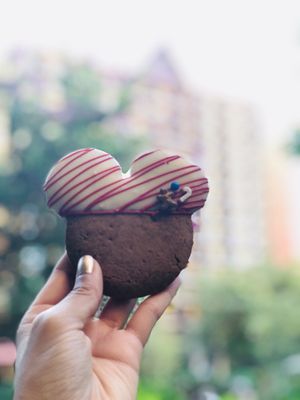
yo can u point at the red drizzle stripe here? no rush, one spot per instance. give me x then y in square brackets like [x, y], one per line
[150, 195]
[197, 205]
[77, 155]
[157, 163]
[74, 168]
[144, 155]
[196, 199]
[52, 199]
[201, 197]
[123, 182]
[116, 211]
[140, 197]
[199, 191]
[114, 192]
[102, 176]
[205, 182]
[75, 152]
[202, 180]
[89, 195]
[153, 204]
[186, 183]
[109, 195]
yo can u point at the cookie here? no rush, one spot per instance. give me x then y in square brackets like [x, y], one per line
[136, 225]
[138, 255]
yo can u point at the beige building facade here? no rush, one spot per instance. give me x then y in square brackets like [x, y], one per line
[220, 135]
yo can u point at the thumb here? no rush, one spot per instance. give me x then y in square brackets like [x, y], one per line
[82, 302]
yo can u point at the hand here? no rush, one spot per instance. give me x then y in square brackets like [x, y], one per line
[64, 353]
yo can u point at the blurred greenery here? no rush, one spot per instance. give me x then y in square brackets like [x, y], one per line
[32, 236]
[246, 343]
[293, 146]
[6, 392]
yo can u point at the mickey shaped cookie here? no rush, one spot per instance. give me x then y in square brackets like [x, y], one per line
[136, 225]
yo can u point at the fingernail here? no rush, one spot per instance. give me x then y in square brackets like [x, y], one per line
[85, 265]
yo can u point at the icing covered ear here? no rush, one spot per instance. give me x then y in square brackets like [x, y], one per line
[90, 181]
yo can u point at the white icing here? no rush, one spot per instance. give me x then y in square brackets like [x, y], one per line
[90, 180]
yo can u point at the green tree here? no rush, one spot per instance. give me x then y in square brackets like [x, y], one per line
[248, 336]
[40, 135]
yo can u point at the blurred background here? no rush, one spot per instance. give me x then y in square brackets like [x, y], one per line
[217, 81]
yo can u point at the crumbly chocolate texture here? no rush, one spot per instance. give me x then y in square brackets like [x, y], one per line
[139, 255]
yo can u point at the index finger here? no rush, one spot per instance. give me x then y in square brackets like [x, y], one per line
[149, 312]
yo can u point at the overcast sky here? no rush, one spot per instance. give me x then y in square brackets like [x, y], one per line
[246, 49]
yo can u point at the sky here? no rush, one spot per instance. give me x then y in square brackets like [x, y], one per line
[242, 49]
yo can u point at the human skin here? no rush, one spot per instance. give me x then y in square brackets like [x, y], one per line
[65, 353]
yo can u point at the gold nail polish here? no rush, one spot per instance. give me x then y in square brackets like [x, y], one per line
[85, 265]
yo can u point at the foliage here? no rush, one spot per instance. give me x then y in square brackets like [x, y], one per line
[293, 146]
[148, 390]
[160, 364]
[32, 237]
[247, 340]
[6, 391]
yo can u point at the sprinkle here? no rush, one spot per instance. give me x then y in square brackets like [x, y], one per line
[174, 186]
[188, 192]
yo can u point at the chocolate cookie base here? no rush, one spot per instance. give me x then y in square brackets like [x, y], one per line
[139, 255]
